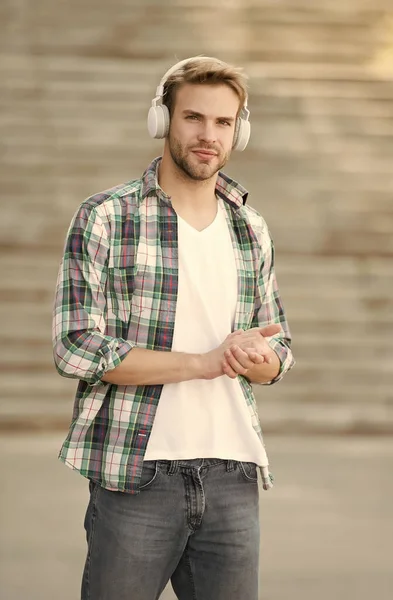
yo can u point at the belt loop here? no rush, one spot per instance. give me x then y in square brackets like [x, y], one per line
[173, 467]
[231, 465]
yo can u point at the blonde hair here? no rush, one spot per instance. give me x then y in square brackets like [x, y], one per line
[208, 71]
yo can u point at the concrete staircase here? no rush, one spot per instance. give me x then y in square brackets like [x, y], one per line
[77, 80]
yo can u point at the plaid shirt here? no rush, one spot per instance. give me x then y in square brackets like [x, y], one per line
[116, 289]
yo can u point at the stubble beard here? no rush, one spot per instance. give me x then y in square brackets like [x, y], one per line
[201, 172]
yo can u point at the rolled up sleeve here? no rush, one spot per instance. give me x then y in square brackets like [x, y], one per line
[81, 348]
[269, 309]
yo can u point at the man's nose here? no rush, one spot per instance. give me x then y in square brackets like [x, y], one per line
[208, 132]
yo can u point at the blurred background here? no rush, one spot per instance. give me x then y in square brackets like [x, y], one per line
[77, 79]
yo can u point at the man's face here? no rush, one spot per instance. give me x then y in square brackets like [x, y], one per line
[202, 128]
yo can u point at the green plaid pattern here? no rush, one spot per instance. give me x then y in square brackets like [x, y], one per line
[117, 289]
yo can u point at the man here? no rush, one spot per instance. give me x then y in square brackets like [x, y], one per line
[167, 310]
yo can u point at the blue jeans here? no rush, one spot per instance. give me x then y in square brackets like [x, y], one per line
[195, 522]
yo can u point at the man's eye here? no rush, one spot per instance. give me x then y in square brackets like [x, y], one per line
[224, 123]
[192, 117]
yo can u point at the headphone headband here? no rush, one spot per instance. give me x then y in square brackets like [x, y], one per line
[177, 66]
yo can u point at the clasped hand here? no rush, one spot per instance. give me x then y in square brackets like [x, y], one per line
[240, 351]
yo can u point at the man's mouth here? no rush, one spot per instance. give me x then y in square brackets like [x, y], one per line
[204, 154]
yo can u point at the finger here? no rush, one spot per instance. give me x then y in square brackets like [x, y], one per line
[228, 370]
[260, 357]
[242, 357]
[254, 356]
[263, 352]
[254, 337]
[238, 360]
[266, 354]
[253, 342]
[270, 330]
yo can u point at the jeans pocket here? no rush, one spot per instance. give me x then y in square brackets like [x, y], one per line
[149, 473]
[249, 471]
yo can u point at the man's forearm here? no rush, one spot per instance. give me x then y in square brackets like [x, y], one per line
[265, 372]
[153, 367]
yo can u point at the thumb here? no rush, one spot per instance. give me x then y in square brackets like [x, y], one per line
[270, 330]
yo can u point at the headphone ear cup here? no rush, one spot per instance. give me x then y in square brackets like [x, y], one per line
[158, 121]
[242, 135]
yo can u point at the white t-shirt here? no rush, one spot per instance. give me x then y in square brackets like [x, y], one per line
[199, 418]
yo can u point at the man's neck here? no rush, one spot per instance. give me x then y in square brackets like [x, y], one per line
[184, 192]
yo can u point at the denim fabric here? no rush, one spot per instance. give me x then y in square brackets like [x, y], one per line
[194, 522]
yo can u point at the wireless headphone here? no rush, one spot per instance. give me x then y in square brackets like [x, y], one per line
[158, 118]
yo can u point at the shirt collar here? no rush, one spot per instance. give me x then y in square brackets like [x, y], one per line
[226, 188]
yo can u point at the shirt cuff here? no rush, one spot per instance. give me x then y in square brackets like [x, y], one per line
[285, 357]
[112, 355]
